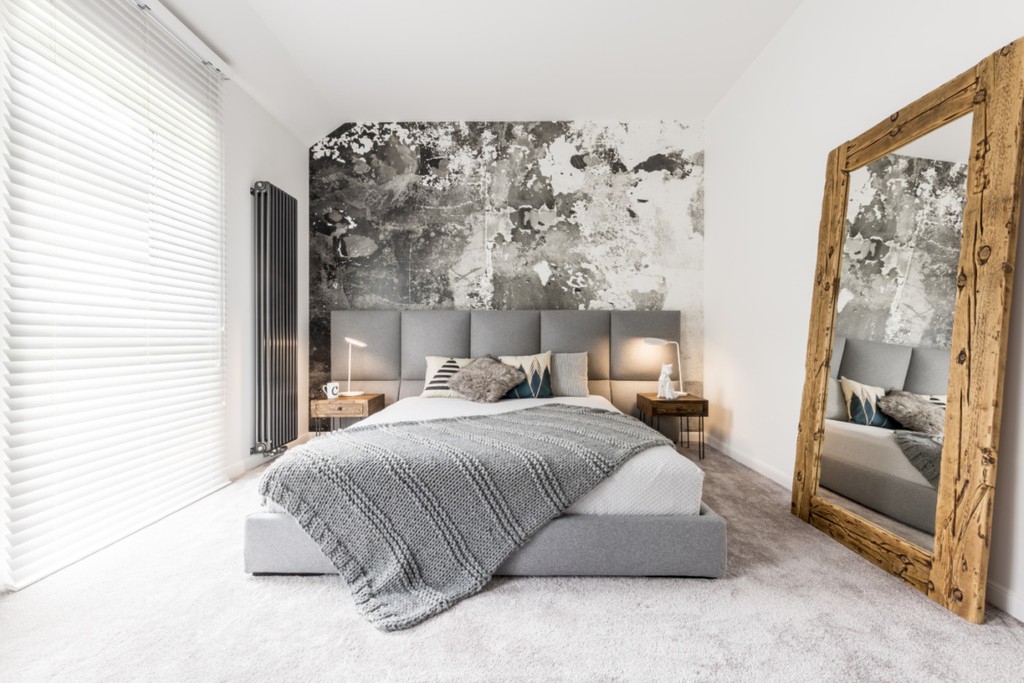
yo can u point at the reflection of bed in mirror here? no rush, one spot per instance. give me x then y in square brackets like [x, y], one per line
[865, 464]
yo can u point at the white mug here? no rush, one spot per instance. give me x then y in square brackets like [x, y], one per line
[332, 389]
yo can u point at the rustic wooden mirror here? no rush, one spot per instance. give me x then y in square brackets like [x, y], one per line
[931, 222]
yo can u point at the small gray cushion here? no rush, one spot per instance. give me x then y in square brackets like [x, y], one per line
[835, 406]
[915, 412]
[485, 380]
[569, 374]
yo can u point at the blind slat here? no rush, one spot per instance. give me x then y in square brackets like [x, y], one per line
[111, 280]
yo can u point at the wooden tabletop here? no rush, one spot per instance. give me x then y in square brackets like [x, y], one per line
[691, 404]
[654, 397]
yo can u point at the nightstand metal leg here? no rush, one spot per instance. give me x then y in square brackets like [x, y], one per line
[700, 437]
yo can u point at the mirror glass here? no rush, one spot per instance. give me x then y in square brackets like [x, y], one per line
[885, 412]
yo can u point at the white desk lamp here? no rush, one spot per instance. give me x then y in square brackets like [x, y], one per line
[352, 342]
[654, 341]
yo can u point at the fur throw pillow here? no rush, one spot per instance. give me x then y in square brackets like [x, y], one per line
[915, 412]
[485, 380]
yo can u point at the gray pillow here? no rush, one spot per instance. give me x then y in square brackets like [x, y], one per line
[486, 380]
[914, 411]
[835, 405]
[569, 374]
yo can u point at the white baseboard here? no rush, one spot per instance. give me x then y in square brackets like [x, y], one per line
[251, 461]
[998, 595]
[1006, 599]
[781, 478]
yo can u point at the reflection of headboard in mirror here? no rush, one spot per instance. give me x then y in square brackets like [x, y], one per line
[991, 97]
[917, 369]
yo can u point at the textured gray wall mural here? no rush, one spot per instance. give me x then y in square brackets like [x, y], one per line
[526, 215]
[904, 224]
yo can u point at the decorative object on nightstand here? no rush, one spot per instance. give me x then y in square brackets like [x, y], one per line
[665, 389]
[356, 407]
[348, 390]
[655, 341]
[685, 406]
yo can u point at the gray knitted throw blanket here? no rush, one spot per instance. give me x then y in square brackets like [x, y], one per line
[418, 515]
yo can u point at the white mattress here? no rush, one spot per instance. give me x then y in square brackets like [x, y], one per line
[873, 448]
[658, 481]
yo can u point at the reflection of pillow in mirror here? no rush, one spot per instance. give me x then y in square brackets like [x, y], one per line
[862, 404]
[835, 403]
[915, 412]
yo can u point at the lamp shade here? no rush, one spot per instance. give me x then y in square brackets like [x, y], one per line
[356, 342]
[657, 341]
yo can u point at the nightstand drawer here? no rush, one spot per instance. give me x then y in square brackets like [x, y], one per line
[339, 409]
[681, 408]
[352, 407]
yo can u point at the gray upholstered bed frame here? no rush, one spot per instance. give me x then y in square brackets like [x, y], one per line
[891, 366]
[620, 365]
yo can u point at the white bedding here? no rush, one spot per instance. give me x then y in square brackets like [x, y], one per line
[873, 448]
[658, 481]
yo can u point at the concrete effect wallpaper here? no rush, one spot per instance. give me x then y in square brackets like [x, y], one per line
[500, 215]
[904, 225]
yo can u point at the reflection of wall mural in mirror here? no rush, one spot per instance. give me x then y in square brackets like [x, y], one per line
[904, 224]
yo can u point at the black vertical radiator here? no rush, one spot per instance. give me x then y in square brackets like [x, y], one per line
[275, 217]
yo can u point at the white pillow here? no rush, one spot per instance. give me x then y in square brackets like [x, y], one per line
[569, 375]
[439, 371]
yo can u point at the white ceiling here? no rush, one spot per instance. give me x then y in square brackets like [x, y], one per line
[315, 64]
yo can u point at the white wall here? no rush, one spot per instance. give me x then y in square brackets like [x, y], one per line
[257, 147]
[834, 70]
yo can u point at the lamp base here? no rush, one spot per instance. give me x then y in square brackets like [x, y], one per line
[351, 393]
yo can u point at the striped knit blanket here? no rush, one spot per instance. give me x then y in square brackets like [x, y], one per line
[418, 515]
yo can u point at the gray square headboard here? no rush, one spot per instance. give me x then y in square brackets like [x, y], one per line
[917, 369]
[399, 341]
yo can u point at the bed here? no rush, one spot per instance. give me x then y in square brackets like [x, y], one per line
[646, 519]
[863, 463]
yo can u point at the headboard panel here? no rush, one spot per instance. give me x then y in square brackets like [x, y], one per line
[429, 333]
[504, 333]
[398, 341]
[381, 330]
[577, 331]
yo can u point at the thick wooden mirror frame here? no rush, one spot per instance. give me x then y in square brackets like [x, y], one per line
[954, 574]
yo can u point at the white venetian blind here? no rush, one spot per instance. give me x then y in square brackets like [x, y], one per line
[111, 280]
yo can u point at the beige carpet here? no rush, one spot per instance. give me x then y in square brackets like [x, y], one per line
[171, 604]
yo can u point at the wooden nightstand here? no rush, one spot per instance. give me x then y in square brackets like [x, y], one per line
[650, 407]
[345, 407]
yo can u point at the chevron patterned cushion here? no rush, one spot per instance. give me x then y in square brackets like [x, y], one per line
[862, 404]
[537, 369]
